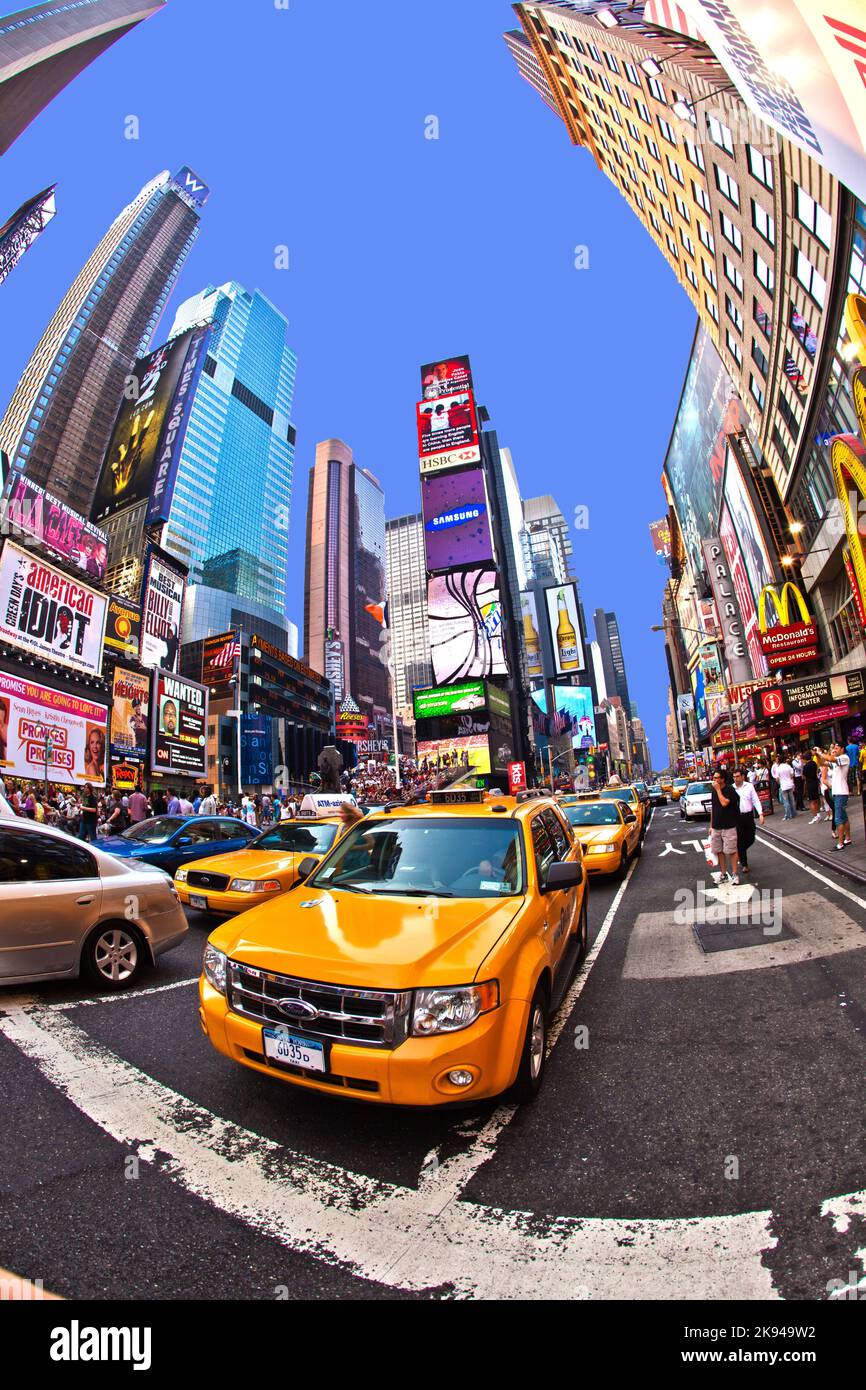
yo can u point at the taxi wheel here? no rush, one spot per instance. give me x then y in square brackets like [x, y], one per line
[582, 933]
[638, 849]
[530, 1073]
[623, 861]
[113, 956]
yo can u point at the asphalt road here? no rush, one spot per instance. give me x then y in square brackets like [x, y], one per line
[700, 1133]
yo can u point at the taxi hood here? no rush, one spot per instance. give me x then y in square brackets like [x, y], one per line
[374, 943]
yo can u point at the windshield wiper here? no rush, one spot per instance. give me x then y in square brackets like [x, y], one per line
[350, 888]
[415, 893]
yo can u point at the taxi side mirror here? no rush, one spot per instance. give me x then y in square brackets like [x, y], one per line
[561, 876]
[306, 867]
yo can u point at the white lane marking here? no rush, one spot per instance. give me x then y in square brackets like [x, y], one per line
[845, 892]
[121, 996]
[382, 1232]
[441, 1183]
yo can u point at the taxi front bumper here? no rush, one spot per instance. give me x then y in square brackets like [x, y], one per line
[415, 1073]
[608, 863]
[224, 904]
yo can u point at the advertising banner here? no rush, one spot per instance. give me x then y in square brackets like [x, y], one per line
[351, 724]
[178, 726]
[786, 643]
[472, 753]
[141, 428]
[126, 776]
[162, 594]
[129, 714]
[174, 431]
[516, 778]
[448, 699]
[456, 520]
[564, 623]
[728, 609]
[498, 701]
[257, 760]
[40, 727]
[466, 630]
[49, 615]
[743, 590]
[448, 432]
[531, 638]
[575, 712]
[810, 694]
[219, 660]
[31, 511]
[123, 627]
[454, 374]
[660, 535]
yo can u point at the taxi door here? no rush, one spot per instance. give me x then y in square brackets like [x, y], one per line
[558, 908]
[632, 827]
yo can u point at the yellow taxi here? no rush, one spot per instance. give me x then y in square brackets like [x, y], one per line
[666, 784]
[418, 964]
[230, 883]
[629, 796]
[609, 834]
[678, 787]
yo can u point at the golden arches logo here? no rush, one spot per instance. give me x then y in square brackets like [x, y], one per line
[782, 605]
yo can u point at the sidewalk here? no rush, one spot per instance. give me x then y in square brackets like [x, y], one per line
[816, 842]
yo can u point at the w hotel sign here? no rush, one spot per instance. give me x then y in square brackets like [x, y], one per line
[786, 643]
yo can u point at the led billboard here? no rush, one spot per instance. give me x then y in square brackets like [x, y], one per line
[448, 432]
[472, 753]
[49, 615]
[575, 703]
[45, 731]
[449, 699]
[162, 594]
[178, 726]
[446, 377]
[219, 663]
[564, 623]
[466, 626]
[149, 429]
[456, 520]
[31, 511]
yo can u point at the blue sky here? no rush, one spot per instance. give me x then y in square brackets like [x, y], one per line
[309, 126]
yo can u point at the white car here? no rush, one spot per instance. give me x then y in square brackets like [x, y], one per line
[696, 801]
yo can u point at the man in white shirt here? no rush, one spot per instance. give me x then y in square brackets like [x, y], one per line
[750, 806]
[785, 775]
[838, 764]
[208, 806]
[185, 806]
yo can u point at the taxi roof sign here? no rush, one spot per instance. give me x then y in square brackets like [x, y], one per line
[316, 805]
[457, 796]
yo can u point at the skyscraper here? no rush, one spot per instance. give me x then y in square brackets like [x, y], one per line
[59, 422]
[18, 234]
[547, 546]
[613, 664]
[345, 573]
[43, 47]
[407, 606]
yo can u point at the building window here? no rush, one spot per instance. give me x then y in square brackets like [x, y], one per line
[764, 274]
[676, 172]
[709, 273]
[763, 223]
[642, 164]
[672, 246]
[731, 233]
[733, 313]
[701, 197]
[781, 448]
[695, 154]
[667, 131]
[733, 347]
[643, 111]
[813, 216]
[660, 182]
[803, 332]
[707, 238]
[682, 209]
[727, 186]
[759, 357]
[720, 135]
[594, 53]
[711, 306]
[787, 413]
[659, 93]
[756, 390]
[811, 281]
[667, 215]
[653, 149]
[687, 243]
[632, 129]
[760, 167]
[691, 276]
[763, 317]
[611, 62]
[631, 73]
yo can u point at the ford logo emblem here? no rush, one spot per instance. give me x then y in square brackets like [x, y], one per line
[297, 1008]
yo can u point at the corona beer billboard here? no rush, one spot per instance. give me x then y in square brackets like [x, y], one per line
[787, 642]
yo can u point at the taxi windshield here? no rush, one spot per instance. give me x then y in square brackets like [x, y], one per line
[425, 857]
[292, 838]
[594, 813]
[618, 794]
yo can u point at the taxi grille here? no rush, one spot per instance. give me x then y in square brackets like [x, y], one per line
[217, 883]
[362, 1017]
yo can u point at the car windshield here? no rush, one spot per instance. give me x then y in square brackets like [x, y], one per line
[617, 794]
[594, 813]
[424, 857]
[292, 838]
[681, 782]
[699, 789]
[154, 832]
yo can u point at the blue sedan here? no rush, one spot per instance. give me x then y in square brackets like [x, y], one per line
[169, 841]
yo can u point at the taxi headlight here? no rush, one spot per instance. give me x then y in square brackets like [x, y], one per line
[602, 849]
[449, 1010]
[254, 885]
[181, 874]
[214, 966]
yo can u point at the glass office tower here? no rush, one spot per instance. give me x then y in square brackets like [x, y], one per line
[229, 518]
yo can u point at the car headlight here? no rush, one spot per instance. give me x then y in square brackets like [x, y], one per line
[181, 875]
[602, 849]
[214, 966]
[255, 885]
[449, 1010]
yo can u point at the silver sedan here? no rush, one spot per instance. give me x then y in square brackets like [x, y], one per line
[69, 909]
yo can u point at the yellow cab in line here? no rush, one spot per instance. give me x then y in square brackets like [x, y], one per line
[226, 884]
[609, 833]
[678, 787]
[418, 964]
[628, 796]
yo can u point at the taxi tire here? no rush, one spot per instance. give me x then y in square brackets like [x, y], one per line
[623, 861]
[638, 849]
[582, 932]
[526, 1086]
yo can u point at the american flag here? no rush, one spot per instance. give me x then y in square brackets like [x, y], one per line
[228, 655]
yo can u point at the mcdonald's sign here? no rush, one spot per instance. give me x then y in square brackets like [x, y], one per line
[786, 642]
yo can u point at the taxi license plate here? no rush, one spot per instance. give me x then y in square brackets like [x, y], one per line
[199, 901]
[294, 1051]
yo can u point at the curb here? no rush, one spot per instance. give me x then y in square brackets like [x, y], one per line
[846, 870]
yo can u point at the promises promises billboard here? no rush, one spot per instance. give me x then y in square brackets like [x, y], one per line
[456, 520]
[466, 626]
[141, 462]
[41, 727]
[49, 615]
[178, 724]
[161, 609]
